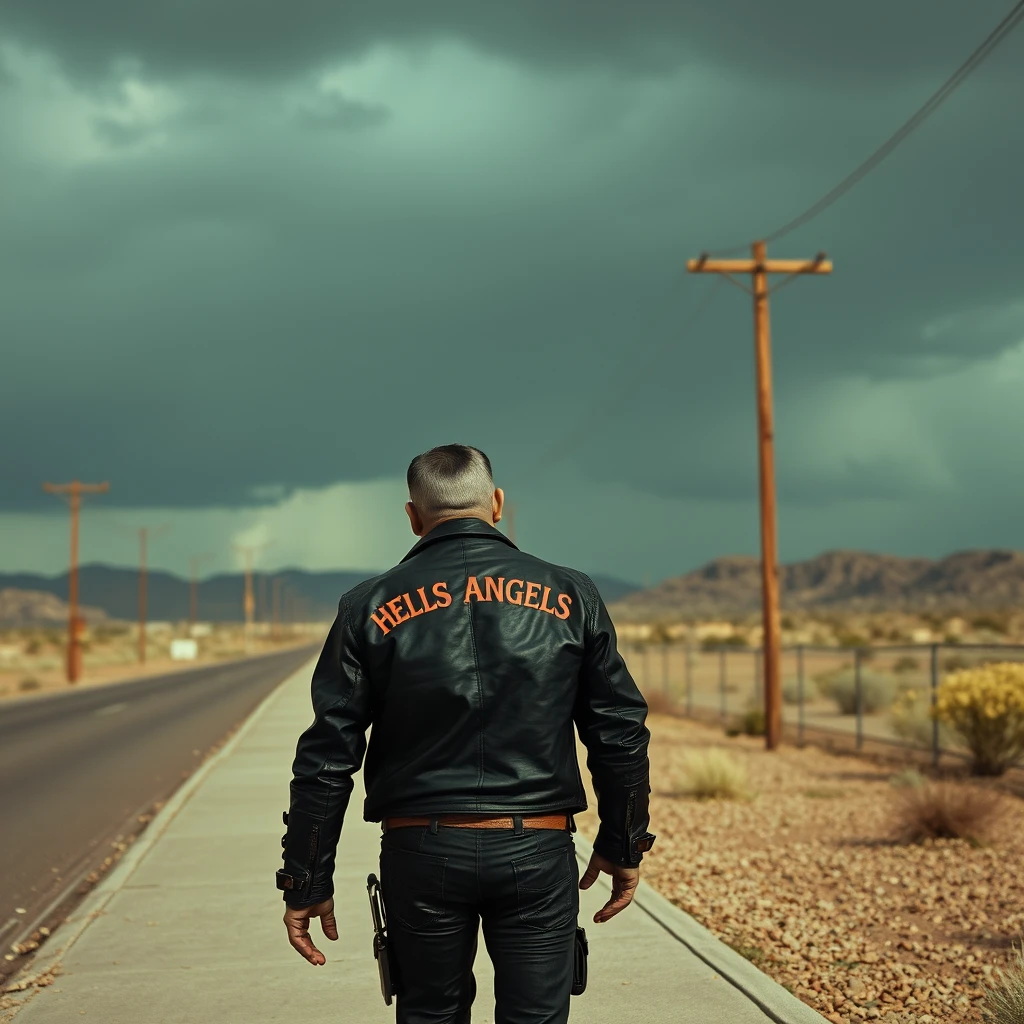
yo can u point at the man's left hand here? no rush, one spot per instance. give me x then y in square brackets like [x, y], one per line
[297, 923]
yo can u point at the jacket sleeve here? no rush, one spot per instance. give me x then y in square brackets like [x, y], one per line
[611, 715]
[327, 755]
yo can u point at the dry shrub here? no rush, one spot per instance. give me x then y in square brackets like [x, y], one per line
[876, 691]
[906, 663]
[907, 777]
[945, 810]
[791, 691]
[1004, 1002]
[711, 775]
[911, 720]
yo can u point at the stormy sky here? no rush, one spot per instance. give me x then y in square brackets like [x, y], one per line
[253, 258]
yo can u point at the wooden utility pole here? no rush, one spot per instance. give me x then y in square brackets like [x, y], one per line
[248, 599]
[72, 493]
[144, 535]
[276, 615]
[759, 267]
[193, 596]
[143, 532]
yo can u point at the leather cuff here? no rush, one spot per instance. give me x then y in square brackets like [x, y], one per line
[299, 851]
[291, 882]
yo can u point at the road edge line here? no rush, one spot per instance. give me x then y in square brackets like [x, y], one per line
[65, 935]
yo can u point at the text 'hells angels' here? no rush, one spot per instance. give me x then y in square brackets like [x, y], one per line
[522, 593]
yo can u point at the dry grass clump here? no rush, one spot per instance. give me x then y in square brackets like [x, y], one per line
[877, 690]
[711, 775]
[911, 720]
[944, 810]
[1004, 1002]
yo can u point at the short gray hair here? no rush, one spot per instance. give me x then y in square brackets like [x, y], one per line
[450, 479]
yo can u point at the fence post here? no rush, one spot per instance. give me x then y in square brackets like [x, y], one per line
[859, 697]
[800, 692]
[721, 681]
[689, 680]
[935, 698]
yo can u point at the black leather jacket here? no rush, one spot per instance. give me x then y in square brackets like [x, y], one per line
[471, 660]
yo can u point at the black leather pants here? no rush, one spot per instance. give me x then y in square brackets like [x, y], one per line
[439, 883]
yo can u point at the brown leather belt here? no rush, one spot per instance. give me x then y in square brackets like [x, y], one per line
[559, 821]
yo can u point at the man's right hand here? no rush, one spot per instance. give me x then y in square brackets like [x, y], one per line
[624, 883]
[297, 923]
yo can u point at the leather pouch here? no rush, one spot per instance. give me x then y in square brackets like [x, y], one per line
[380, 939]
[579, 963]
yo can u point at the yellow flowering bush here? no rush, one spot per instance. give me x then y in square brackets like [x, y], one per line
[985, 705]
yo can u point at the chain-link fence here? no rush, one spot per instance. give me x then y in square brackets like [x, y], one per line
[877, 694]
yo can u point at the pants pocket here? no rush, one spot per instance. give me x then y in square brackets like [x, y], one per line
[412, 884]
[546, 888]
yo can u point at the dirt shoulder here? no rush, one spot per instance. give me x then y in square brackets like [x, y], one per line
[805, 881]
[53, 681]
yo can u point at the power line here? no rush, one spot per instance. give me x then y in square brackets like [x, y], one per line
[994, 38]
[613, 402]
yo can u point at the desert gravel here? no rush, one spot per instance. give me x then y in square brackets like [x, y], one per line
[805, 880]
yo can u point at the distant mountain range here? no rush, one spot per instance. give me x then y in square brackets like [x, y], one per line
[841, 581]
[116, 592]
[37, 608]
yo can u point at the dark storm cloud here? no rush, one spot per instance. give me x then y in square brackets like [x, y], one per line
[791, 38]
[117, 133]
[258, 306]
[340, 112]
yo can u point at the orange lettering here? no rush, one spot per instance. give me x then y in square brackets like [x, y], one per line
[564, 601]
[440, 591]
[381, 616]
[413, 613]
[473, 589]
[532, 590]
[518, 599]
[427, 606]
[494, 590]
[544, 602]
[397, 612]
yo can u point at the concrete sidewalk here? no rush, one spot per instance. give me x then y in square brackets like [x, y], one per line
[187, 928]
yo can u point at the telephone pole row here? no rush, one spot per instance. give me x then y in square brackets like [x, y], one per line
[248, 601]
[144, 535]
[193, 596]
[759, 267]
[72, 494]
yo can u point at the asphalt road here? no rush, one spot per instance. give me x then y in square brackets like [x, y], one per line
[78, 769]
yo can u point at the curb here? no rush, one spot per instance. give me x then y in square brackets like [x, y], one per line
[777, 1003]
[94, 904]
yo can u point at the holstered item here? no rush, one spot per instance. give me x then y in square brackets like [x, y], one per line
[380, 939]
[579, 963]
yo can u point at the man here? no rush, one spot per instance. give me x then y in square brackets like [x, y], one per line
[472, 661]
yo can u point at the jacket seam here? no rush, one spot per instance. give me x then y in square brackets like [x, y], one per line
[329, 759]
[422, 809]
[485, 534]
[604, 661]
[479, 681]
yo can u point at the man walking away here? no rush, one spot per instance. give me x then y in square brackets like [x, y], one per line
[473, 662]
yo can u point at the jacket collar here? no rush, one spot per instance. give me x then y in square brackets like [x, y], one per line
[454, 528]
